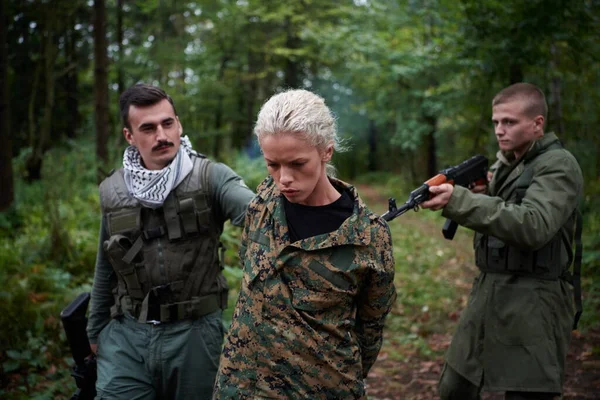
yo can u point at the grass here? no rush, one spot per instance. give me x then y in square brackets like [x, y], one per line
[433, 276]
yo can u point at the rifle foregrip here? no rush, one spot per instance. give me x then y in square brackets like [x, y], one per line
[437, 180]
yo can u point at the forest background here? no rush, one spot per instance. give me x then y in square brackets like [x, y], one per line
[410, 82]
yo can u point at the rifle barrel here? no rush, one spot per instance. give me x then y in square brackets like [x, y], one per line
[390, 215]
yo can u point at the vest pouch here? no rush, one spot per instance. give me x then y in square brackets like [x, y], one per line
[479, 245]
[223, 291]
[548, 263]
[202, 213]
[520, 261]
[117, 248]
[187, 216]
[496, 255]
[123, 221]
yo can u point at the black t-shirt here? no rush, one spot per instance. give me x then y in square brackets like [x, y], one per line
[307, 221]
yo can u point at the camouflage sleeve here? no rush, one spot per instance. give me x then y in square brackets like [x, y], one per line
[377, 296]
[102, 298]
[230, 194]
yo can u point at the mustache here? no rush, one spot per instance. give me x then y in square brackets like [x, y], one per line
[162, 144]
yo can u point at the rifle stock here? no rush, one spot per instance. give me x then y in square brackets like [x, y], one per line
[84, 371]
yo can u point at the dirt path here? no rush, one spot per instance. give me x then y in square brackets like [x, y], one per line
[416, 377]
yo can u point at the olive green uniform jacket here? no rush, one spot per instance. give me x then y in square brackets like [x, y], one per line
[515, 331]
[309, 318]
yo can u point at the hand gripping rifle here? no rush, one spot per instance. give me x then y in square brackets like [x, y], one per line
[468, 173]
[84, 371]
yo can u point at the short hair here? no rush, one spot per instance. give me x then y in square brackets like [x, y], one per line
[301, 113]
[141, 94]
[535, 101]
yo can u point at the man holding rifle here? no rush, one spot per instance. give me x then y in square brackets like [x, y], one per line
[514, 334]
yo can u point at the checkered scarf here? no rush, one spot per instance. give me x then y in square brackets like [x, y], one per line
[151, 187]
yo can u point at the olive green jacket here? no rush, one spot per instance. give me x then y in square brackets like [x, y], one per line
[515, 331]
[309, 318]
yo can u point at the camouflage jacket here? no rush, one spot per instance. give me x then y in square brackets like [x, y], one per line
[515, 331]
[309, 318]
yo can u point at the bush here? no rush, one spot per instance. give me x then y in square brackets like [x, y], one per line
[47, 247]
[590, 269]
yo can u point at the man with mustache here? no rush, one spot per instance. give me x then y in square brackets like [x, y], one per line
[514, 334]
[158, 291]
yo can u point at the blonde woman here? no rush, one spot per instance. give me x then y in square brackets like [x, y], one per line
[318, 269]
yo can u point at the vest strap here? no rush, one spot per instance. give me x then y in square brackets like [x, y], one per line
[577, 270]
[134, 250]
[192, 309]
[153, 233]
[172, 312]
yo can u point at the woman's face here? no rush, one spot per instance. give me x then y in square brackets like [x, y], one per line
[297, 167]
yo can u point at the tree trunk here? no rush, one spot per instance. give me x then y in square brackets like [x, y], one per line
[72, 82]
[6, 174]
[430, 119]
[100, 85]
[218, 143]
[291, 78]
[515, 74]
[120, 84]
[372, 140]
[239, 126]
[39, 147]
[556, 96]
[432, 169]
[50, 54]
[252, 93]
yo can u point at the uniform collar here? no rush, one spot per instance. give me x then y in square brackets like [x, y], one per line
[540, 146]
[355, 230]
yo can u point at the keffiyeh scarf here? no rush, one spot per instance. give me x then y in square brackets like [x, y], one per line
[151, 187]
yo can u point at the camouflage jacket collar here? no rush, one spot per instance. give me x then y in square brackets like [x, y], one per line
[355, 230]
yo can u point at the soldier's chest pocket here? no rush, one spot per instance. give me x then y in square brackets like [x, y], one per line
[316, 285]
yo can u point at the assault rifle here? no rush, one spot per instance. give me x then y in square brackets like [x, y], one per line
[468, 173]
[84, 371]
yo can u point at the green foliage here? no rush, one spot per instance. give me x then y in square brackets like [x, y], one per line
[232, 269]
[48, 252]
[590, 269]
[253, 170]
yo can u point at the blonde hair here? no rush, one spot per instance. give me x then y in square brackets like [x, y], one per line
[301, 113]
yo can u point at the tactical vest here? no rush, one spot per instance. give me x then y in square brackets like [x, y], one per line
[167, 261]
[493, 255]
